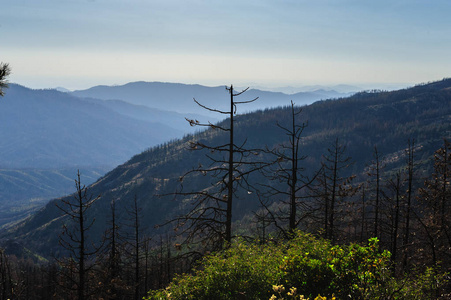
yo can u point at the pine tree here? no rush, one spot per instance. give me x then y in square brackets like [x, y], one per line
[5, 71]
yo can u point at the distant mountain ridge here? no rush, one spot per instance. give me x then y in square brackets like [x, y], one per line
[51, 129]
[47, 135]
[97, 129]
[179, 97]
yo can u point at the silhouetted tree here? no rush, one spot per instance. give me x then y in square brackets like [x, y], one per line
[395, 200]
[332, 186]
[5, 274]
[74, 239]
[114, 286]
[135, 242]
[363, 221]
[435, 198]
[286, 170]
[210, 219]
[375, 172]
[410, 152]
[5, 71]
[6, 280]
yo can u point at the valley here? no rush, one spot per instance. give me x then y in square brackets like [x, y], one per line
[52, 134]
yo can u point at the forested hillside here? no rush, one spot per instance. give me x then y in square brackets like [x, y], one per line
[383, 119]
[384, 145]
[47, 135]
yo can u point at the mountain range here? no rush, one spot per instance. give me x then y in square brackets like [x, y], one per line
[48, 134]
[179, 97]
[367, 119]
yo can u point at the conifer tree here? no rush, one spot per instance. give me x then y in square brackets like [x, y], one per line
[5, 71]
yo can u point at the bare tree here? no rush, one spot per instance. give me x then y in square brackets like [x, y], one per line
[435, 197]
[114, 285]
[210, 219]
[333, 187]
[135, 243]
[286, 169]
[394, 186]
[6, 280]
[410, 152]
[363, 221]
[375, 172]
[74, 240]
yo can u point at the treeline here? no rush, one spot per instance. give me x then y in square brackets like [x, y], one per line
[126, 264]
[412, 223]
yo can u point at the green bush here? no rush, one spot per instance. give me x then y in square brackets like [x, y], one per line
[308, 265]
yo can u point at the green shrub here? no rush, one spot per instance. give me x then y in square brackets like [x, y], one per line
[307, 265]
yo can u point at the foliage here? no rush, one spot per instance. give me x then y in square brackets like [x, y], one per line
[292, 293]
[5, 71]
[309, 266]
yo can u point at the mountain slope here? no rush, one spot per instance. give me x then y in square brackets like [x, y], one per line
[50, 129]
[171, 119]
[385, 119]
[23, 191]
[47, 135]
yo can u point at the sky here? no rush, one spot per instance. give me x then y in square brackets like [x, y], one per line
[78, 44]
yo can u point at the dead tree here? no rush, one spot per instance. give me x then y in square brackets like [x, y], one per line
[375, 172]
[363, 221]
[394, 186]
[74, 240]
[135, 244]
[435, 199]
[114, 285]
[333, 186]
[410, 152]
[6, 280]
[210, 219]
[286, 170]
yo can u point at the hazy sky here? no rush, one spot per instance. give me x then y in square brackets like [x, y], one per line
[81, 43]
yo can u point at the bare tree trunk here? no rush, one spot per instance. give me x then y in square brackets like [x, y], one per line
[228, 224]
[74, 240]
[396, 224]
[333, 194]
[376, 208]
[410, 165]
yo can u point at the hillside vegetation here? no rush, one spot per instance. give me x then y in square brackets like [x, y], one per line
[304, 267]
[390, 184]
[385, 119]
